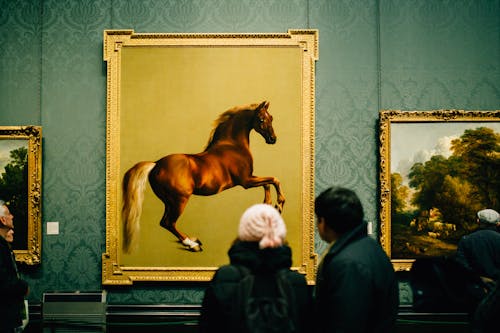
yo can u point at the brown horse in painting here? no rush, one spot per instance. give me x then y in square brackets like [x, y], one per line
[226, 162]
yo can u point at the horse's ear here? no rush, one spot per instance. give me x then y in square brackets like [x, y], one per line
[264, 105]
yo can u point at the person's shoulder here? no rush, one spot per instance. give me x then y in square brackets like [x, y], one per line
[295, 278]
[225, 282]
[360, 247]
[480, 235]
[490, 231]
[360, 255]
[227, 270]
[228, 273]
[4, 246]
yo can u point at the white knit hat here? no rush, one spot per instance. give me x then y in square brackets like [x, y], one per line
[488, 216]
[262, 223]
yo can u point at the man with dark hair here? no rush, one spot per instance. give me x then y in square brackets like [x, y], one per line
[12, 288]
[356, 287]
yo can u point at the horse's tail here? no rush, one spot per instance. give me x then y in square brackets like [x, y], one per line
[134, 183]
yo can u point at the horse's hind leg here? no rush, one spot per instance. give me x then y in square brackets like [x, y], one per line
[169, 221]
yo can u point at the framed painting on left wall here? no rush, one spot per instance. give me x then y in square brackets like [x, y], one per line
[21, 186]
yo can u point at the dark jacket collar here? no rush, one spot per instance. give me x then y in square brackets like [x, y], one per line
[488, 226]
[347, 238]
[248, 254]
[4, 242]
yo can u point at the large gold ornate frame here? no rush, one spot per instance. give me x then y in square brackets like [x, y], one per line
[390, 118]
[302, 42]
[33, 135]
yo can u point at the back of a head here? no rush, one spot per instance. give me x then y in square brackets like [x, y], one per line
[262, 223]
[4, 228]
[2, 207]
[341, 209]
[488, 217]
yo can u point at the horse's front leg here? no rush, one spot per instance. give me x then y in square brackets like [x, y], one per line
[281, 198]
[267, 194]
[266, 183]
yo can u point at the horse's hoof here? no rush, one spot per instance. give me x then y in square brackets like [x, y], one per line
[196, 248]
[196, 240]
[192, 244]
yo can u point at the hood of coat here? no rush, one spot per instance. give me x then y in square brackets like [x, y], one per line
[269, 259]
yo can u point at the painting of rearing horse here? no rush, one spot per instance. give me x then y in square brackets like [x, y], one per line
[226, 162]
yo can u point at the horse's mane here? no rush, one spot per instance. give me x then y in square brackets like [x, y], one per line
[224, 118]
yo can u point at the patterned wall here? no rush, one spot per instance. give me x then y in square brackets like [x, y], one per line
[401, 54]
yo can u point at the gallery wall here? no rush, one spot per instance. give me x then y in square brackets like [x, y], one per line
[373, 54]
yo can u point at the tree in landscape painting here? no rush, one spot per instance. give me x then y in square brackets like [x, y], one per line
[439, 204]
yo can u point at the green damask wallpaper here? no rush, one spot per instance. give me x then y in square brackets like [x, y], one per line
[374, 54]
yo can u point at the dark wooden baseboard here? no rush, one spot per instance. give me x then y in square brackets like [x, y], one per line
[169, 318]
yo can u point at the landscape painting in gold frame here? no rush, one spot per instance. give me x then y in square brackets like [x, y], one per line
[165, 94]
[437, 169]
[20, 187]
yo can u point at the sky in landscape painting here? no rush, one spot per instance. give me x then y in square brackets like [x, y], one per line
[417, 142]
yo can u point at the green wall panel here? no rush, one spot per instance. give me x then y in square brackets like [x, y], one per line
[440, 54]
[400, 54]
[20, 62]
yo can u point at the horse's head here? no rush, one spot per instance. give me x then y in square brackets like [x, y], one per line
[263, 123]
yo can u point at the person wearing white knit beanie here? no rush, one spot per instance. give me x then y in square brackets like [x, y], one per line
[262, 223]
[260, 253]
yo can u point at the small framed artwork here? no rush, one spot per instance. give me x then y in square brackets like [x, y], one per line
[21, 186]
[199, 128]
[438, 168]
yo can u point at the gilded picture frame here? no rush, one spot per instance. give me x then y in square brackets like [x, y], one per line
[21, 186]
[164, 92]
[431, 185]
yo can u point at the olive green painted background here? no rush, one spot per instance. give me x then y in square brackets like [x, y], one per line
[385, 54]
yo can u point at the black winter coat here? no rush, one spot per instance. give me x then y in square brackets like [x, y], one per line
[12, 289]
[480, 252]
[220, 295]
[356, 287]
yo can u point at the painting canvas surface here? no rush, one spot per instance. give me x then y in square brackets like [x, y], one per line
[170, 99]
[439, 172]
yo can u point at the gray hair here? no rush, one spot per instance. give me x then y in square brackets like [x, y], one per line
[2, 207]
